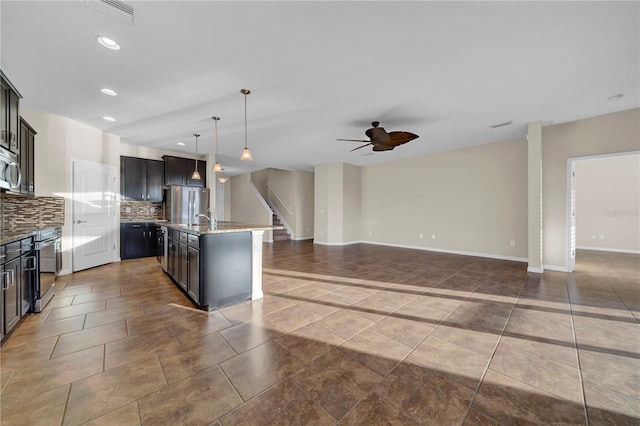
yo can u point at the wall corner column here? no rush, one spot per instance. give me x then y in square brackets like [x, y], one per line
[534, 197]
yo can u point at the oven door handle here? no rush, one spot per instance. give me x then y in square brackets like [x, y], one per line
[31, 268]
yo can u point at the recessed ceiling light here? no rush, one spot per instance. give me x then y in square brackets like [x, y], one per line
[107, 118]
[181, 143]
[109, 92]
[108, 43]
[615, 97]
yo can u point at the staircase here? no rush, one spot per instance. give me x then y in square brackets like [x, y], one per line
[279, 234]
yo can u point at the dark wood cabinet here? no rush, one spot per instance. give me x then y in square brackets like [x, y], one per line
[27, 146]
[9, 115]
[178, 171]
[138, 239]
[141, 179]
[193, 275]
[10, 280]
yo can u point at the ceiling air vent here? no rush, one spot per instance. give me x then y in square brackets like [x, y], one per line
[117, 9]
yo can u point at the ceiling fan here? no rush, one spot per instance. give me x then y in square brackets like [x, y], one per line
[381, 140]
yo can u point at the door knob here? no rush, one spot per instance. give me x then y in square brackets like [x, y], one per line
[79, 221]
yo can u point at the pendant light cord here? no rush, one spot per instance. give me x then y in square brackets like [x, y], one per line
[245, 121]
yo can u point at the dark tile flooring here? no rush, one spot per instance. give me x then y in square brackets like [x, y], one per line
[353, 335]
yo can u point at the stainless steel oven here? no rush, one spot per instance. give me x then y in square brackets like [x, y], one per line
[48, 263]
[10, 175]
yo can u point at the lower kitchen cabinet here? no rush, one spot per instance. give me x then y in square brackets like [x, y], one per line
[214, 270]
[138, 239]
[17, 272]
[188, 276]
[11, 293]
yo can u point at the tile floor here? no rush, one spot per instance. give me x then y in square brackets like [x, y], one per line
[353, 335]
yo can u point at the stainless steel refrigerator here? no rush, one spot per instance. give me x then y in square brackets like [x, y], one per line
[183, 204]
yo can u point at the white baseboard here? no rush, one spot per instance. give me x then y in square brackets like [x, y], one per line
[535, 270]
[438, 250]
[613, 250]
[555, 268]
[348, 243]
[65, 272]
[302, 238]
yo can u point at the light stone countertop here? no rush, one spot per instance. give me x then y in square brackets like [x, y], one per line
[221, 227]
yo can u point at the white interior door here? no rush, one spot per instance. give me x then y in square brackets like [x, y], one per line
[94, 214]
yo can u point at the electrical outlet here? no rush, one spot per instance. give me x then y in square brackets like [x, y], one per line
[593, 236]
[127, 209]
[152, 209]
[602, 236]
[513, 243]
[433, 236]
[421, 236]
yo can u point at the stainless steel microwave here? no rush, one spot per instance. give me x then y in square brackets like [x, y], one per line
[10, 175]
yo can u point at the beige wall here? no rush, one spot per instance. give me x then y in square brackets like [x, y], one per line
[607, 203]
[612, 133]
[247, 206]
[472, 200]
[304, 198]
[294, 200]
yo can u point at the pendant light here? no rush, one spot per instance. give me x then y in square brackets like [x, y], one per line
[217, 168]
[246, 154]
[222, 178]
[196, 174]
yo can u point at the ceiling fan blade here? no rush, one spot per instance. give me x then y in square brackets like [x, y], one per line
[362, 146]
[352, 140]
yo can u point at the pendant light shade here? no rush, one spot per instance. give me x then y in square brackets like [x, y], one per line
[217, 168]
[222, 178]
[246, 154]
[196, 174]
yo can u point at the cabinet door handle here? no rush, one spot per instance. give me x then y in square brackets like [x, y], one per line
[79, 221]
[6, 283]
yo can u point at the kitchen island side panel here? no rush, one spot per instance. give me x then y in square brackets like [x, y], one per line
[225, 269]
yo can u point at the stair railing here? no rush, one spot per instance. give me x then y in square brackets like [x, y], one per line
[279, 199]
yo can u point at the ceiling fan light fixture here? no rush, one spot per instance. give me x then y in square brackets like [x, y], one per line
[196, 173]
[246, 153]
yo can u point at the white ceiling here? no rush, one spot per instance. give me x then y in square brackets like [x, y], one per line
[318, 71]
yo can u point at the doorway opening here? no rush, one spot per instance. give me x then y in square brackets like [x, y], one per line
[602, 205]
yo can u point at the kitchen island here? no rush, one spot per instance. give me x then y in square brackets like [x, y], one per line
[218, 266]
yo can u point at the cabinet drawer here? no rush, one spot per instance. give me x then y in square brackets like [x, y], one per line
[10, 251]
[194, 241]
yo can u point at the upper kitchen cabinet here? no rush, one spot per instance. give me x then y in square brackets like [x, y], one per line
[141, 179]
[27, 146]
[9, 118]
[178, 171]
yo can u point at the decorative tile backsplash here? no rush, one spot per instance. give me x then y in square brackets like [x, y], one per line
[141, 210]
[22, 212]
